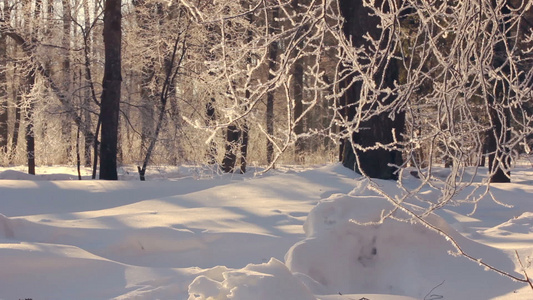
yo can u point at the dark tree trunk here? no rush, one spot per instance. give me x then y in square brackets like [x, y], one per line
[245, 129]
[499, 156]
[272, 58]
[497, 137]
[30, 144]
[30, 134]
[111, 90]
[237, 135]
[297, 86]
[232, 140]
[376, 163]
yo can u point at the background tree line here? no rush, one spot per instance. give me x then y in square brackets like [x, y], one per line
[379, 85]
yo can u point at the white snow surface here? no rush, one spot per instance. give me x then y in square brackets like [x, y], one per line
[293, 234]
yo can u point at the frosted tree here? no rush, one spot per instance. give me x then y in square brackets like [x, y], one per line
[373, 121]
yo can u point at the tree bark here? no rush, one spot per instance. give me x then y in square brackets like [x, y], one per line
[232, 139]
[297, 91]
[110, 103]
[244, 147]
[272, 58]
[380, 129]
[499, 115]
[66, 128]
[4, 130]
[297, 87]
[30, 134]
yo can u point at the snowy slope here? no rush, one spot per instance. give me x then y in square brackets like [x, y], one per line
[188, 236]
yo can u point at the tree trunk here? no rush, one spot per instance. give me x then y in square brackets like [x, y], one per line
[90, 93]
[173, 65]
[497, 137]
[297, 90]
[499, 115]
[211, 117]
[111, 85]
[272, 58]
[4, 130]
[16, 124]
[30, 134]
[379, 129]
[147, 108]
[297, 87]
[66, 128]
[244, 147]
[232, 139]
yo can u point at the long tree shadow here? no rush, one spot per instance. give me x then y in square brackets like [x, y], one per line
[20, 198]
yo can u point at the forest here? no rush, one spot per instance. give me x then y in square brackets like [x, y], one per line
[379, 85]
[292, 149]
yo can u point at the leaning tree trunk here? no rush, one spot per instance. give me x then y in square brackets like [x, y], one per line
[111, 89]
[173, 66]
[380, 129]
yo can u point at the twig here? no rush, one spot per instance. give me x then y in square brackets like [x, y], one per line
[417, 218]
[432, 295]
[523, 269]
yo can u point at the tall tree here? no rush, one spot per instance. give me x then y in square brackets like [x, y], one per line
[67, 71]
[272, 58]
[369, 149]
[28, 85]
[237, 132]
[89, 93]
[297, 86]
[112, 81]
[4, 130]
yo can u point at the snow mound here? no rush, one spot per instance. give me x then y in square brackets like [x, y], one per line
[256, 281]
[522, 224]
[394, 257]
[6, 229]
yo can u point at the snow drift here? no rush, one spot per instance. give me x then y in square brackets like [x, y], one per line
[394, 257]
[226, 237]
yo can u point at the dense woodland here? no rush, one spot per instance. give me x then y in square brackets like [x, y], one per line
[379, 85]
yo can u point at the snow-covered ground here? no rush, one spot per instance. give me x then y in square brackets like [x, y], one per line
[284, 235]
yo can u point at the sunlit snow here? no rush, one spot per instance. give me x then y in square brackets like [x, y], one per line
[288, 234]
